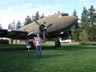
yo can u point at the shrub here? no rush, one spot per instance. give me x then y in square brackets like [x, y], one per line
[83, 43]
[87, 43]
[91, 43]
[4, 42]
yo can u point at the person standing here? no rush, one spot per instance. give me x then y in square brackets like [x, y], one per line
[38, 45]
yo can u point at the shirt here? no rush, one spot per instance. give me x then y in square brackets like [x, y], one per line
[38, 41]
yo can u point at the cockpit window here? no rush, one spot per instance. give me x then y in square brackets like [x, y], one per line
[64, 14]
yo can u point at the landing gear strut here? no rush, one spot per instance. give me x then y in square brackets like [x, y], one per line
[57, 43]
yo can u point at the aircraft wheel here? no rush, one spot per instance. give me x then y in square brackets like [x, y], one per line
[57, 43]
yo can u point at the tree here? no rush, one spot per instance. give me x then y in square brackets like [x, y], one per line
[18, 25]
[76, 22]
[75, 28]
[0, 26]
[84, 26]
[88, 22]
[12, 26]
[75, 34]
[91, 15]
[74, 13]
[84, 18]
[42, 16]
[58, 11]
[27, 20]
[92, 23]
[83, 36]
[37, 17]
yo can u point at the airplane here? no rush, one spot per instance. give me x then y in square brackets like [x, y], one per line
[52, 26]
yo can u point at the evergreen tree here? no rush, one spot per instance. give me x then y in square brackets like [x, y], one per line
[37, 17]
[42, 16]
[88, 22]
[84, 26]
[92, 23]
[84, 20]
[33, 18]
[83, 36]
[18, 25]
[75, 31]
[58, 11]
[76, 22]
[27, 20]
[0, 26]
[91, 15]
[75, 34]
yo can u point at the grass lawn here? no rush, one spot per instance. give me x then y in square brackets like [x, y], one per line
[68, 58]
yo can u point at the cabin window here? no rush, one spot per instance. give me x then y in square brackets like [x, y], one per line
[64, 14]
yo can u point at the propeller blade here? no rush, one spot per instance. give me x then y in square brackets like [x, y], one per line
[49, 25]
[43, 36]
[37, 22]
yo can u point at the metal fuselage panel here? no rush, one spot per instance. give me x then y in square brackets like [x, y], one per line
[57, 20]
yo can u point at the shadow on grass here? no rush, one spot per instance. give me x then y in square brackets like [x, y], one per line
[51, 47]
[53, 56]
[69, 47]
[77, 47]
[12, 49]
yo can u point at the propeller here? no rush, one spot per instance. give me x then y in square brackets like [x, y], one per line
[49, 25]
[37, 22]
[42, 29]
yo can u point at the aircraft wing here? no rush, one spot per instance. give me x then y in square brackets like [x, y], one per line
[13, 34]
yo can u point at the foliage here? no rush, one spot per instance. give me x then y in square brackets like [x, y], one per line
[4, 41]
[87, 43]
[84, 19]
[27, 20]
[90, 43]
[42, 16]
[82, 42]
[18, 25]
[76, 22]
[86, 30]
[37, 17]
[0, 26]
[83, 36]
[75, 29]
[75, 34]
[88, 22]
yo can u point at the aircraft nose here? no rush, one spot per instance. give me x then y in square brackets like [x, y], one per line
[68, 20]
[72, 18]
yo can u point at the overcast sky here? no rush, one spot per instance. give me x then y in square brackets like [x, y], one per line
[14, 10]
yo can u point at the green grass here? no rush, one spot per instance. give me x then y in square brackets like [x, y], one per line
[68, 58]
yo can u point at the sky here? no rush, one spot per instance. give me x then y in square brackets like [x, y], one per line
[14, 10]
